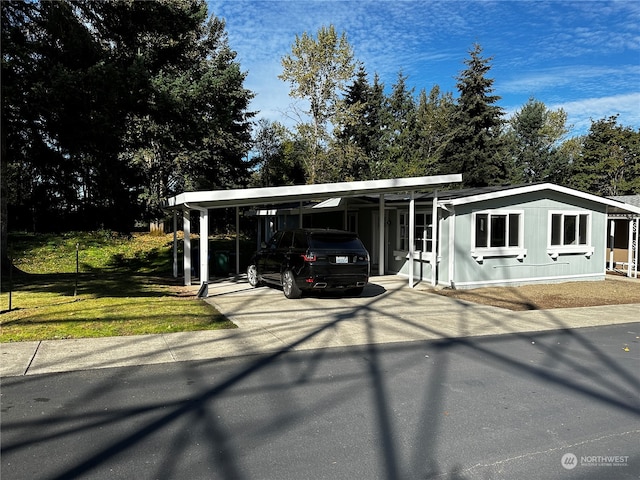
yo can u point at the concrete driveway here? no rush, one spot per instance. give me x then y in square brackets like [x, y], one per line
[387, 311]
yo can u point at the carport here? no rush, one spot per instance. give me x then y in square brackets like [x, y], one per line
[204, 201]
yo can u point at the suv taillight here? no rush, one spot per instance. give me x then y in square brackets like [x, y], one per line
[309, 258]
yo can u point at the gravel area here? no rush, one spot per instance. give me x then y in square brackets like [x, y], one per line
[612, 291]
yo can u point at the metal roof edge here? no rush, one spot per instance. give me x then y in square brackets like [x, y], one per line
[540, 187]
[249, 196]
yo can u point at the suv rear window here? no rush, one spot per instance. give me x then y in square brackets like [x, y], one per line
[335, 241]
[300, 240]
[287, 239]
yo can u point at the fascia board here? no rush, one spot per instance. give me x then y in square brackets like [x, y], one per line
[251, 196]
[541, 187]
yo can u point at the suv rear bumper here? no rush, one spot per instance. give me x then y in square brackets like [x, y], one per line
[329, 282]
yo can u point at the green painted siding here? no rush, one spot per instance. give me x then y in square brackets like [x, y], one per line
[443, 265]
[538, 265]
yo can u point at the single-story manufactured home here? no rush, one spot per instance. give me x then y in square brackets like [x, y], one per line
[493, 236]
[465, 238]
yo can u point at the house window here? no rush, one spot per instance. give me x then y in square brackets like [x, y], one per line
[423, 237]
[498, 233]
[403, 235]
[569, 232]
[569, 229]
[423, 231]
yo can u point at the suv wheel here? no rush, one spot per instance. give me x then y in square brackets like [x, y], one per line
[252, 275]
[289, 286]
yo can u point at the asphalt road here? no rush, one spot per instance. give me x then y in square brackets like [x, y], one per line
[501, 407]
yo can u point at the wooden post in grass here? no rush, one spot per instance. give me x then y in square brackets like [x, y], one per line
[75, 291]
[10, 280]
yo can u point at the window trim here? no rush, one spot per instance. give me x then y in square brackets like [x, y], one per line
[478, 253]
[587, 248]
[418, 253]
[428, 241]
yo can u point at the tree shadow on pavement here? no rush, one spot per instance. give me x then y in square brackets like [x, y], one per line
[409, 401]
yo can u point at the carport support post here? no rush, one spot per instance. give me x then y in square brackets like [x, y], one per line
[434, 237]
[300, 218]
[632, 247]
[186, 220]
[175, 244]
[630, 250]
[237, 241]
[381, 245]
[204, 246]
[412, 235]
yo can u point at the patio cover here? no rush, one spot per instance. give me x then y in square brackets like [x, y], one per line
[203, 201]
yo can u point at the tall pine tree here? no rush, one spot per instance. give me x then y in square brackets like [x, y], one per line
[432, 127]
[533, 140]
[107, 107]
[400, 129]
[476, 146]
[610, 160]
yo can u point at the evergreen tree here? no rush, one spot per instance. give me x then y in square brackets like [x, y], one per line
[110, 106]
[195, 132]
[476, 148]
[533, 142]
[610, 160]
[400, 129]
[361, 127]
[278, 156]
[432, 127]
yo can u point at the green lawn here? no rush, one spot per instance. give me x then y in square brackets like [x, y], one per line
[124, 286]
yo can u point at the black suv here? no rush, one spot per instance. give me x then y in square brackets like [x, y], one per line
[311, 259]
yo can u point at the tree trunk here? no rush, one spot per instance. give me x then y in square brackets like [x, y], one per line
[4, 214]
[157, 226]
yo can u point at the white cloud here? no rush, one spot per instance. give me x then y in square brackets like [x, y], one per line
[552, 78]
[581, 112]
[579, 56]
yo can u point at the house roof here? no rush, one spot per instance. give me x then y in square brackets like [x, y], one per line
[462, 197]
[629, 199]
[276, 195]
[616, 206]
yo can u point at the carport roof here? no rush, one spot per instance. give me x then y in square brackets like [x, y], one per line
[270, 195]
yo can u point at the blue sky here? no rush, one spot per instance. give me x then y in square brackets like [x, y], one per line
[581, 56]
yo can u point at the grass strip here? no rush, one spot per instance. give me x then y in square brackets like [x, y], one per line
[124, 287]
